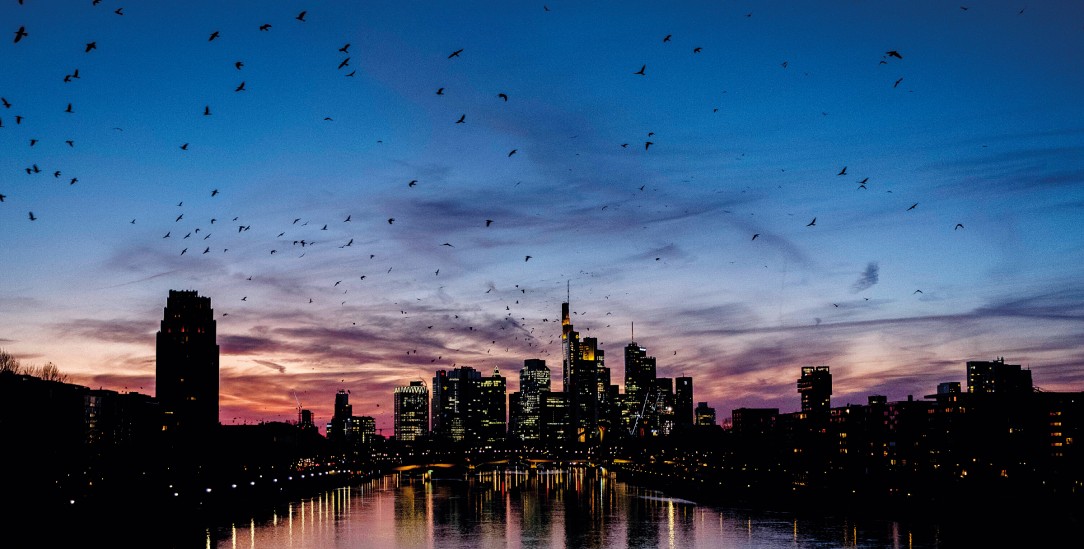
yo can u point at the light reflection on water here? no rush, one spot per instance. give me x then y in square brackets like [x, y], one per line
[575, 508]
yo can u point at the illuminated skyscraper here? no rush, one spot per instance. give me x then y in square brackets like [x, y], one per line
[186, 365]
[411, 411]
[525, 405]
[583, 363]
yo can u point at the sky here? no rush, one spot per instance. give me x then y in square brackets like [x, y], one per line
[383, 189]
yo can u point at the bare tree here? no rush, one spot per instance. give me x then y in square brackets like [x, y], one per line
[8, 363]
[50, 372]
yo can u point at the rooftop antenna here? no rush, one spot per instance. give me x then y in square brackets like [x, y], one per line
[633, 324]
[568, 291]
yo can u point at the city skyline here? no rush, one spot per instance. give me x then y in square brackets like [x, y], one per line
[890, 191]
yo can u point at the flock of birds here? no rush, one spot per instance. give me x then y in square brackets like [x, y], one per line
[199, 234]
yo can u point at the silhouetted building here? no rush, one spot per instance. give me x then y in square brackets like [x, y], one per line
[455, 398]
[525, 406]
[336, 428]
[555, 419]
[683, 402]
[815, 386]
[586, 381]
[705, 415]
[186, 365]
[361, 430]
[753, 421]
[639, 389]
[411, 411]
[996, 377]
[489, 409]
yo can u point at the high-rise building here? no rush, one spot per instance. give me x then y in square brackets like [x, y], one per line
[639, 372]
[336, 428]
[524, 406]
[454, 398]
[489, 419]
[411, 411]
[583, 365]
[186, 365]
[815, 386]
[683, 402]
[705, 415]
[986, 377]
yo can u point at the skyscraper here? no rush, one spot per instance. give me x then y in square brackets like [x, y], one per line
[186, 365]
[525, 405]
[683, 402]
[997, 377]
[815, 386]
[411, 411]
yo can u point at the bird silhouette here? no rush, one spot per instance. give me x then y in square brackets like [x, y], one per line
[5, 103]
[352, 73]
[239, 64]
[32, 218]
[894, 53]
[213, 36]
[440, 91]
[214, 192]
[167, 234]
[912, 206]
[489, 222]
[184, 147]
[503, 96]
[207, 110]
[959, 226]
[812, 223]
[207, 249]
[641, 71]
[178, 218]
[455, 53]
[344, 62]
[301, 17]
[413, 183]
[20, 34]
[697, 49]
[527, 258]
[897, 82]
[345, 47]
[347, 219]
[755, 236]
[461, 119]
[648, 144]
[183, 251]
[240, 87]
[265, 27]
[667, 38]
[448, 244]
[512, 152]
[916, 292]
[69, 109]
[843, 171]
[391, 220]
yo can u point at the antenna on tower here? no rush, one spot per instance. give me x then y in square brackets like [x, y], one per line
[633, 327]
[568, 291]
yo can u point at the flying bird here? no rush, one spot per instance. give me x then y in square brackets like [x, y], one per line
[20, 34]
[489, 222]
[345, 47]
[69, 109]
[391, 220]
[897, 82]
[240, 87]
[413, 182]
[843, 171]
[32, 218]
[440, 91]
[265, 27]
[213, 36]
[214, 192]
[959, 226]
[239, 64]
[503, 96]
[512, 152]
[344, 62]
[755, 236]
[461, 119]
[812, 223]
[641, 71]
[5, 103]
[697, 49]
[667, 38]
[912, 206]
[455, 53]
[527, 258]
[301, 17]
[448, 244]
[118, 11]
[648, 144]
[916, 292]
[894, 53]
[207, 110]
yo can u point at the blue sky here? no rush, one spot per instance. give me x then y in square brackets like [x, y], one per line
[753, 110]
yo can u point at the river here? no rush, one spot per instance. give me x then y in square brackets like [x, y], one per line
[573, 508]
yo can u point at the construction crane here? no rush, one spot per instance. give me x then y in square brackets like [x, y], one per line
[298, 400]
